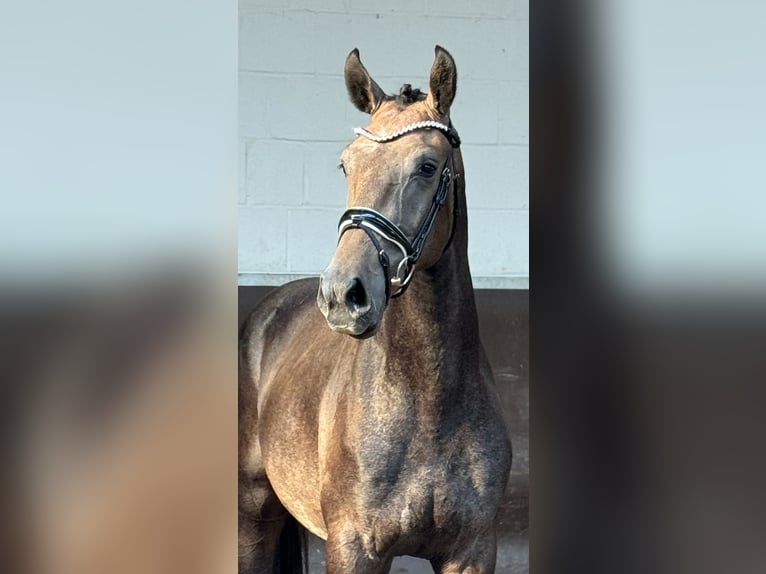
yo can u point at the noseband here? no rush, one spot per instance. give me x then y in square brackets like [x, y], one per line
[376, 225]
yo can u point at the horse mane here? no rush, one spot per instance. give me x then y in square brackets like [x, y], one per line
[409, 95]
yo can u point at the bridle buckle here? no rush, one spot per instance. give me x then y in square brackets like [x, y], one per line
[404, 272]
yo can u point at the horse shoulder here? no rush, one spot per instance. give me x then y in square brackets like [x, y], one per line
[271, 323]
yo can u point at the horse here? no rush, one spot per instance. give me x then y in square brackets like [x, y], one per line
[368, 414]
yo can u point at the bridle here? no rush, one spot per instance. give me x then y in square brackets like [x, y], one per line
[376, 225]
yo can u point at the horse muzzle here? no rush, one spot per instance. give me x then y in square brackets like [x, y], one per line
[347, 304]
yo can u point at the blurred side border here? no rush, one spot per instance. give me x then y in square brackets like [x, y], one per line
[646, 419]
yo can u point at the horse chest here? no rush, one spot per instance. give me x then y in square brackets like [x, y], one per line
[414, 472]
[414, 490]
[424, 509]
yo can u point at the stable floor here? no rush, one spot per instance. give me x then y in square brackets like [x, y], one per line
[504, 325]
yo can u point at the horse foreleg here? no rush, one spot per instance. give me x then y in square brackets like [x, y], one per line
[261, 519]
[345, 555]
[476, 558]
[258, 546]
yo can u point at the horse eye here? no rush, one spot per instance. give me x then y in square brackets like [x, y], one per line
[427, 169]
[342, 168]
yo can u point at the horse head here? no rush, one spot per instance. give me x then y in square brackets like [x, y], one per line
[400, 173]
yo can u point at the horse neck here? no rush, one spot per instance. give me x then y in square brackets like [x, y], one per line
[433, 327]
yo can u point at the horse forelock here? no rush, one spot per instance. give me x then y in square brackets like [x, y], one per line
[409, 95]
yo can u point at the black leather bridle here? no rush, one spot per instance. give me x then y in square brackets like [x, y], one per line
[376, 225]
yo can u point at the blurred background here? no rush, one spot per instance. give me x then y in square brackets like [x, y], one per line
[648, 252]
[118, 167]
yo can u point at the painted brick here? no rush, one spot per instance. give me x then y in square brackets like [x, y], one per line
[310, 42]
[500, 54]
[338, 34]
[513, 113]
[266, 46]
[288, 42]
[242, 173]
[391, 6]
[517, 46]
[275, 173]
[307, 108]
[519, 10]
[483, 49]
[497, 176]
[262, 239]
[475, 112]
[489, 8]
[324, 182]
[253, 109]
[260, 6]
[498, 242]
[314, 6]
[312, 236]
[412, 54]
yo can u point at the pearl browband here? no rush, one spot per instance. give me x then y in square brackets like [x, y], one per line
[448, 130]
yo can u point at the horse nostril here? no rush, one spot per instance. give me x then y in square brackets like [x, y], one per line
[356, 299]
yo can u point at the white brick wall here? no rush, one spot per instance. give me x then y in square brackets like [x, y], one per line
[295, 118]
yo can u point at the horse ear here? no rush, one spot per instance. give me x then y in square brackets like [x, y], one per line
[365, 94]
[443, 81]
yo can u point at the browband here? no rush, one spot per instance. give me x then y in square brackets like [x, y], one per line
[449, 131]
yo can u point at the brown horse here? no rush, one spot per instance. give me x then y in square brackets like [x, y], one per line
[383, 433]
